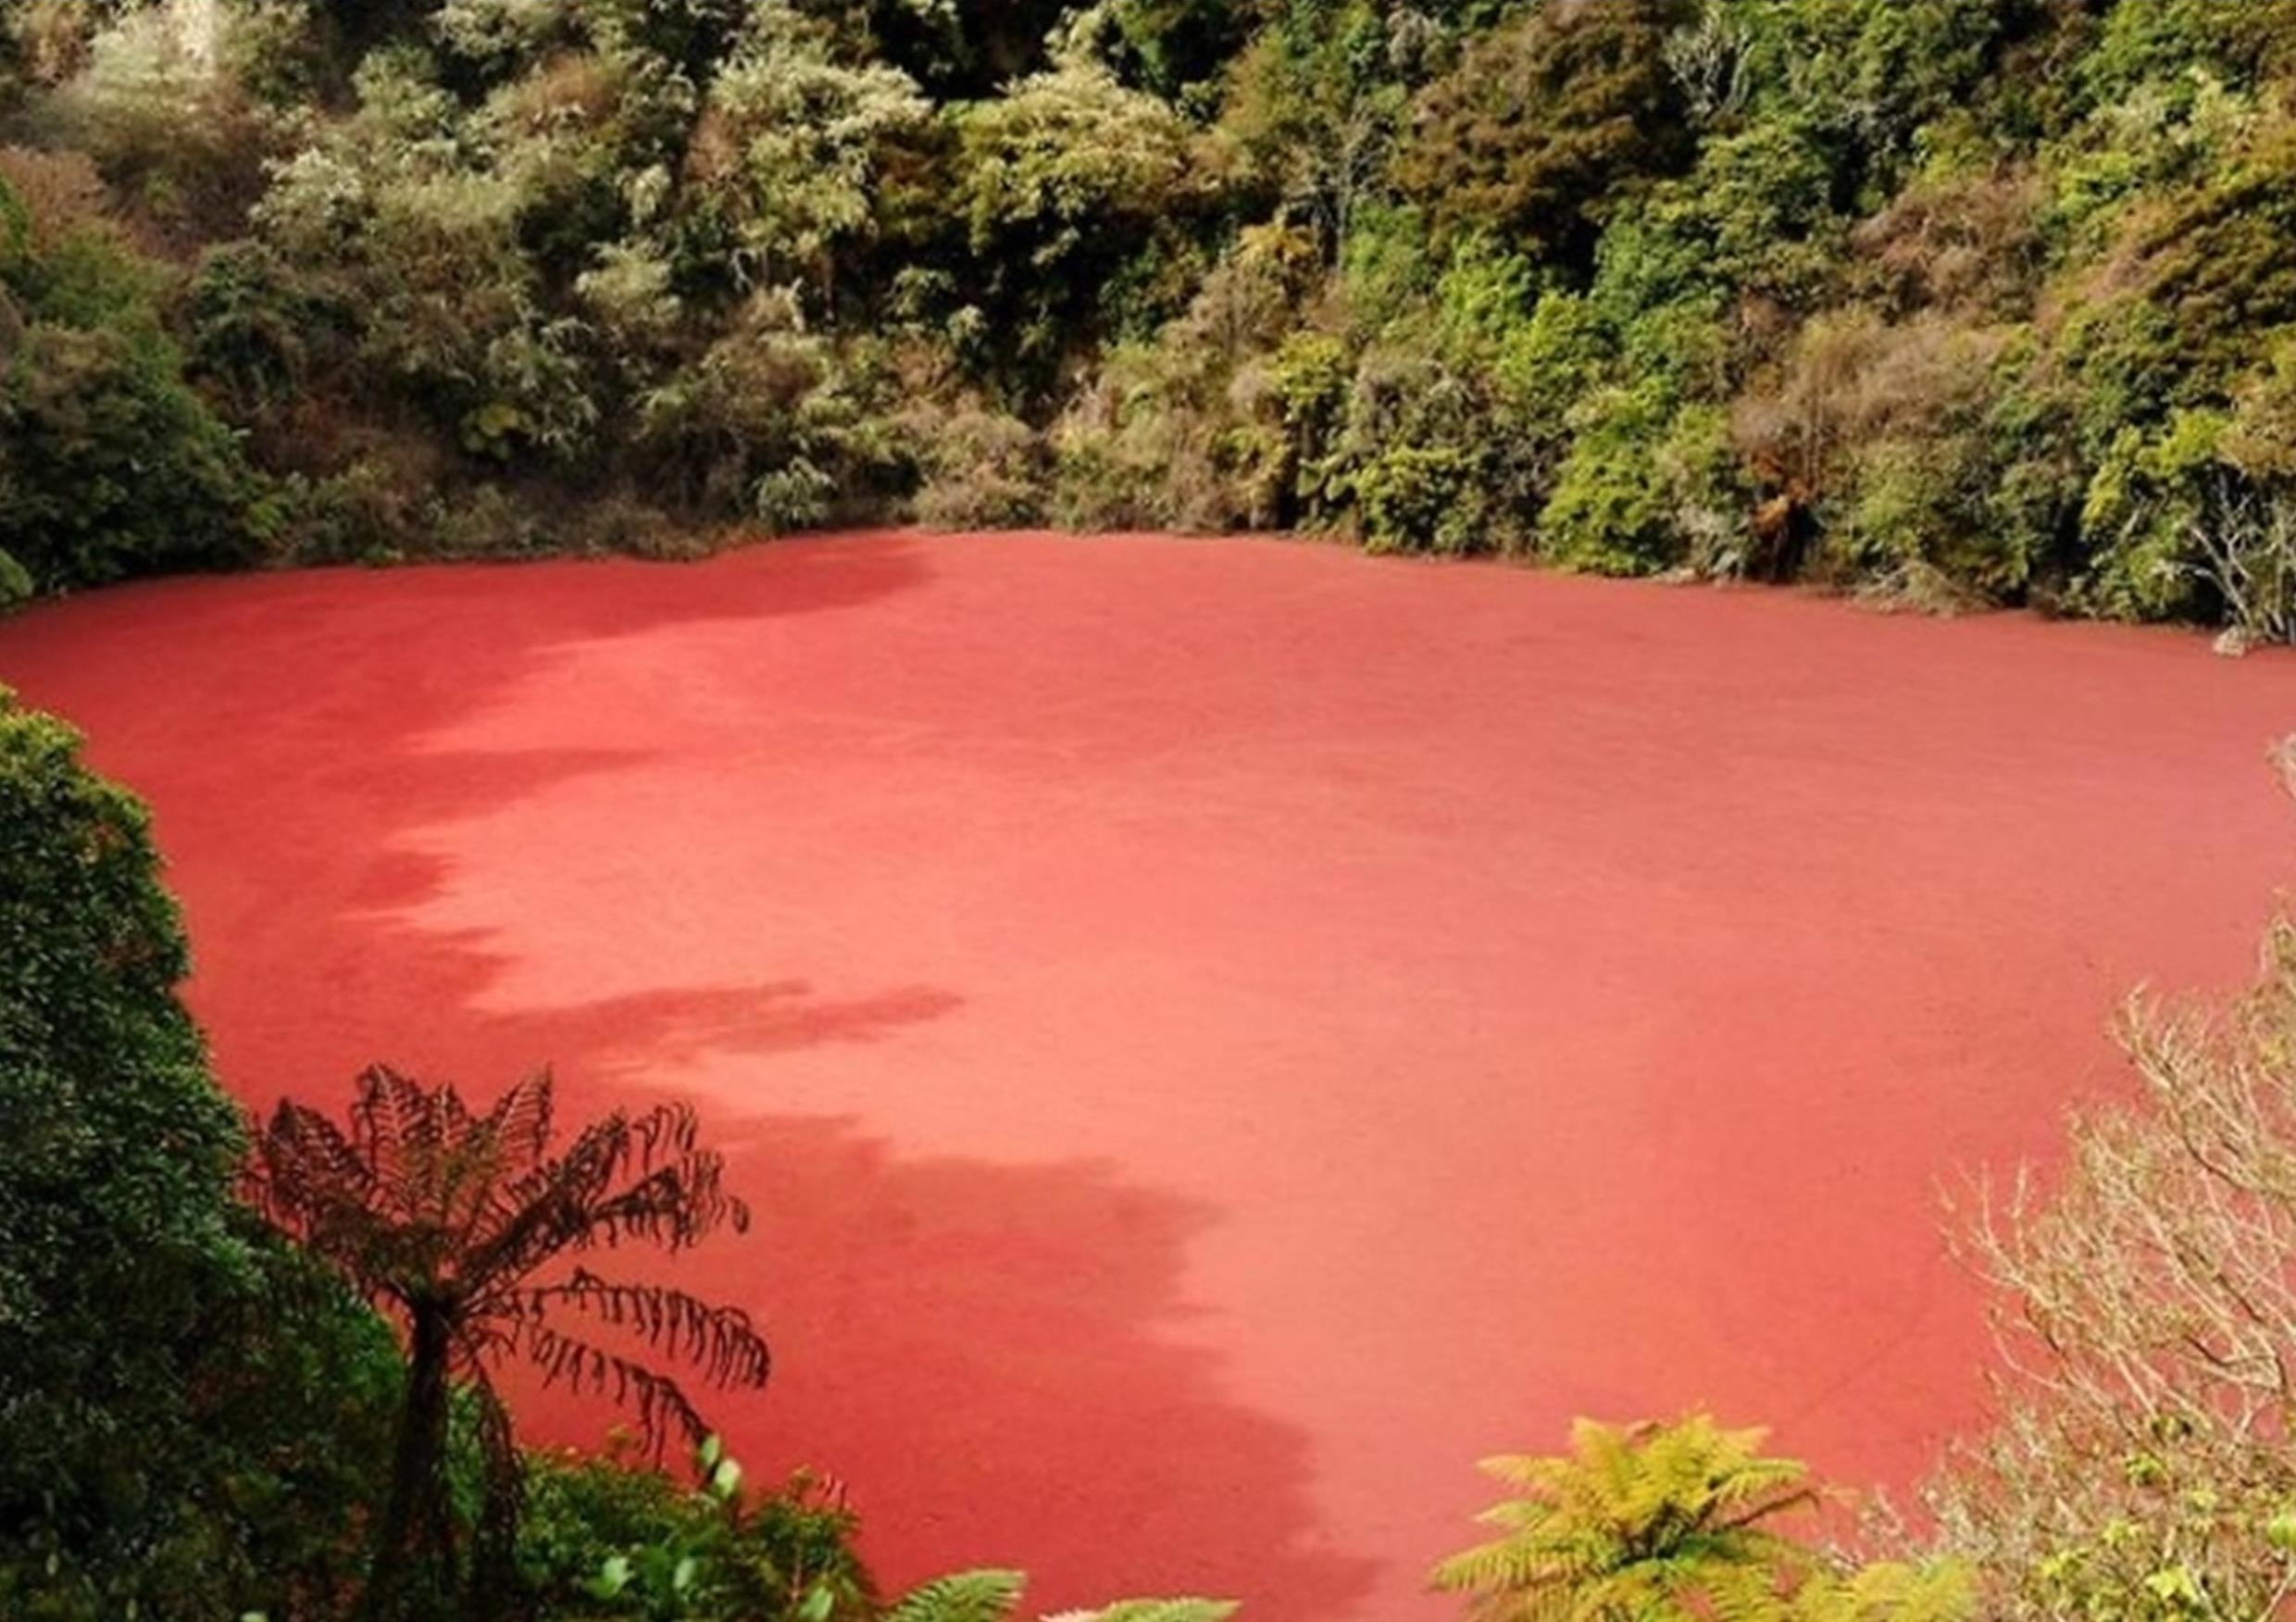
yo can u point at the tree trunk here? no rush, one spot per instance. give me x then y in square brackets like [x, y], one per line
[494, 1593]
[414, 1538]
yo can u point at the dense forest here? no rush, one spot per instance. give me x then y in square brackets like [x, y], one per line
[1956, 302]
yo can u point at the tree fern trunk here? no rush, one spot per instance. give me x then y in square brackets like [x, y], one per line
[494, 1593]
[416, 1534]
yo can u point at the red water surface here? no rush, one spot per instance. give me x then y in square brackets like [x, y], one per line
[1219, 1035]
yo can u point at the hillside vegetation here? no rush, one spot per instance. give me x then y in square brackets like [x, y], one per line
[1957, 301]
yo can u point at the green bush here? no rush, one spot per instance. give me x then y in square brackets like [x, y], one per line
[185, 1412]
[1547, 123]
[604, 1539]
[110, 465]
[1609, 512]
[773, 424]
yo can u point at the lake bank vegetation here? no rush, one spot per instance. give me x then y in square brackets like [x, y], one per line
[1953, 302]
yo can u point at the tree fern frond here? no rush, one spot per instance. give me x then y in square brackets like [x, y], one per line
[396, 1126]
[719, 1340]
[986, 1595]
[1945, 1592]
[656, 1399]
[1183, 1610]
[520, 1118]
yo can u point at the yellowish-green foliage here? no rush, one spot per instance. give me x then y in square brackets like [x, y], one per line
[1892, 1592]
[1681, 1522]
[1651, 1521]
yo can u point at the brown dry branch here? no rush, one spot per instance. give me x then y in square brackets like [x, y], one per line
[2148, 1330]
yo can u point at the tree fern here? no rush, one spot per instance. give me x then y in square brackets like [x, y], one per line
[962, 1596]
[1892, 1592]
[443, 1217]
[1660, 1523]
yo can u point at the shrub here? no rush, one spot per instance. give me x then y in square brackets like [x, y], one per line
[109, 464]
[1608, 513]
[983, 470]
[1421, 498]
[1208, 427]
[1415, 453]
[772, 424]
[794, 144]
[2142, 1468]
[1876, 439]
[186, 1414]
[1546, 123]
[1063, 182]
[161, 113]
[608, 1537]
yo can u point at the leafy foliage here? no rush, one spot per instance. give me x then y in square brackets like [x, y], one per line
[1660, 1521]
[989, 1595]
[109, 464]
[1558, 278]
[172, 1385]
[601, 1539]
[1545, 120]
[1677, 1521]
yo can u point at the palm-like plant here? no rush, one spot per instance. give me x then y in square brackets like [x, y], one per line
[1648, 1523]
[450, 1221]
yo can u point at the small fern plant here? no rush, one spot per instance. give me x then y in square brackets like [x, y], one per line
[991, 1595]
[1652, 1522]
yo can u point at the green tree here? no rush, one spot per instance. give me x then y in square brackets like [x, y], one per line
[115, 1194]
[110, 466]
[184, 1412]
[1065, 183]
[1546, 122]
[795, 145]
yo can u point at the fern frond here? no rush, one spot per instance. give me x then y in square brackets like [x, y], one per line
[1945, 1592]
[656, 1399]
[986, 1595]
[520, 1118]
[719, 1340]
[1180, 1610]
[1646, 1521]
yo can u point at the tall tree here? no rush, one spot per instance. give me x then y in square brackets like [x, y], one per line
[1547, 122]
[185, 1406]
[115, 1192]
[450, 1221]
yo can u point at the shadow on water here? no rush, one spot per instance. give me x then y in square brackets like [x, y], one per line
[988, 1355]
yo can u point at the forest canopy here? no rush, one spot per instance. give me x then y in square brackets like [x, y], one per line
[1954, 301]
